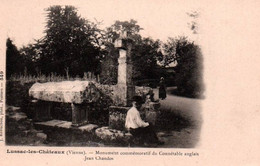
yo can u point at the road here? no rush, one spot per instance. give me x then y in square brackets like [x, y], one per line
[187, 108]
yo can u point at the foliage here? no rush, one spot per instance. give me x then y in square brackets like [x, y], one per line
[71, 44]
[31, 58]
[52, 77]
[14, 61]
[130, 27]
[169, 49]
[189, 66]
[145, 51]
[109, 66]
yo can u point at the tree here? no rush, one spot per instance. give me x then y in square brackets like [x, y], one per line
[169, 49]
[131, 27]
[189, 66]
[31, 57]
[145, 51]
[70, 43]
[14, 61]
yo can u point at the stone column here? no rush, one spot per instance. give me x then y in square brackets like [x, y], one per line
[125, 89]
[79, 114]
[75, 115]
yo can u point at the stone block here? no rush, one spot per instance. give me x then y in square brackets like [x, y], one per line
[41, 136]
[65, 125]
[108, 134]
[118, 43]
[88, 128]
[51, 123]
[65, 92]
[17, 116]
[79, 114]
[123, 94]
[119, 97]
[121, 43]
[117, 116]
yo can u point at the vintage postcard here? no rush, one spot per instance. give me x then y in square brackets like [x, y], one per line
[129, 82]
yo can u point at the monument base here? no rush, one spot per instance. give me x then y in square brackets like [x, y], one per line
[79, 114]
[117, 116]
[123, 94]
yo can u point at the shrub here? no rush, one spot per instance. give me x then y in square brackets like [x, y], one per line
[189, 69]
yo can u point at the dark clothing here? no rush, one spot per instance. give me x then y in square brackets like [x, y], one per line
[162, 90]
[145, 134]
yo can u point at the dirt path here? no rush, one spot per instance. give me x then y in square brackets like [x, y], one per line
[189, 109]
[186, 107]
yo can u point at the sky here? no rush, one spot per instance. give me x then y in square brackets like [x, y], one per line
[25, 20]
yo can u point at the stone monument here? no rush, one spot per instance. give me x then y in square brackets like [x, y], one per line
[79, 94]
[125, 89]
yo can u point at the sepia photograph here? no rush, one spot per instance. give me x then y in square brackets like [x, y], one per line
[129, 82]
[80, 78]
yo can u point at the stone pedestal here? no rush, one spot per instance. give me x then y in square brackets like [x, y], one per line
[125, 89]
[117, 116]
[79, 114]
[123, 95]
[42, 110]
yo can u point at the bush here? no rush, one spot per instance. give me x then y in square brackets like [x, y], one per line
[189, 69]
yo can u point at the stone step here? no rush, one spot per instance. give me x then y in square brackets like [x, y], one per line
[108, 134]
[66, 125]
[51, 123]
[104, 133]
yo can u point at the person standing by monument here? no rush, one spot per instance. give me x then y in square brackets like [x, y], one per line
[142, 131]
[162, 89]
